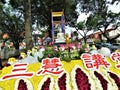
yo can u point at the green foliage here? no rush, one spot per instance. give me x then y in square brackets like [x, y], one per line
[16, 4]
[66, 55]
[82, 49]
[97, 41]
[11, 23]
[50, 52]
[92, 22]
[100, 15]
[81, 25]
[67, 59]
[3, 1]
[41, 10]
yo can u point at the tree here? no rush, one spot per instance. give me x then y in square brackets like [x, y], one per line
[101, 17]
[12, 24]
[28, 34]
[102, 25]
[85, 29]
[23, 7]
[41, 13]
[3, 1]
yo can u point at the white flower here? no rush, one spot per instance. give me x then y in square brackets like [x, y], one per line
[67, 81]
[43, 80]
[28, 83]
[1, 88]
[73, 79]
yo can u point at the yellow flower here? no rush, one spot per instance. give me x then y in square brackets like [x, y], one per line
[117, 50]
[12, 60]
[22, 54]
[29, 51]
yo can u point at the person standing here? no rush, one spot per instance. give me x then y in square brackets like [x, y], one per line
[47, 39]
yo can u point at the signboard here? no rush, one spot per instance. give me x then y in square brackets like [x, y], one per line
[92, 72]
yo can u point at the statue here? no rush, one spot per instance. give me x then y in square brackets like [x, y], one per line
[60, 37]
[67, 39]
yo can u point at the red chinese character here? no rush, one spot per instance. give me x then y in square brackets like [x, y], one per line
[50, 66]
[116, 57]
[99, 60]
[19, 70]
[87, 60]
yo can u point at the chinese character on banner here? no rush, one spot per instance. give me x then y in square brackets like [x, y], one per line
[99, 60]
[19, 70]
[116, 57]
[50, 66]
[87, 60]
[94, 61]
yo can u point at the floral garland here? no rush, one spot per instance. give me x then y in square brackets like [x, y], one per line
[27, 84]
[77, 82]
[70, 82]
[1, 88]
[103, 80]
[62, 82]
[46, 83]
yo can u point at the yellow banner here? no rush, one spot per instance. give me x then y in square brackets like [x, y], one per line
[72, 73]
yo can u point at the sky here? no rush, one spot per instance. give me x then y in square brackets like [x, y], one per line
[114, 8]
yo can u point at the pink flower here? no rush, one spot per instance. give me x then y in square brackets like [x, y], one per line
[62, 47]
[86, 50]
[42, 48]
[78, 45]
[55, 48]
[72, 46]
[49, 55]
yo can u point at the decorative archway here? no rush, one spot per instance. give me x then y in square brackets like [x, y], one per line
[60, 21]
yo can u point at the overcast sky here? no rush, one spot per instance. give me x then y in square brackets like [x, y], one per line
[114, 8]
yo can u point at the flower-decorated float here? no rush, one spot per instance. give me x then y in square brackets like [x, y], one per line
[62, 68]
[67, 67]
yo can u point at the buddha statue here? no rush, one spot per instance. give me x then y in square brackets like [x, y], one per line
[60, 36]
[67, 39]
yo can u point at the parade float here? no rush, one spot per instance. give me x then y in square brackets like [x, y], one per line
[69, 66]
[92, 71]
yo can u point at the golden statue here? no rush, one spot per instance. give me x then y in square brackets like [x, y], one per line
[67, 39]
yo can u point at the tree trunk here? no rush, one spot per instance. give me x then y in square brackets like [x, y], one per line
[85, 39]
[28, 34]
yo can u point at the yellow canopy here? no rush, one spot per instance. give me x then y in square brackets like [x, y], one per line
[57, 14]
